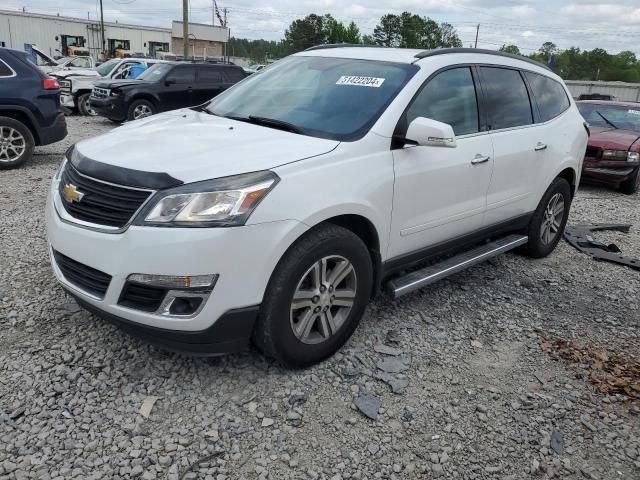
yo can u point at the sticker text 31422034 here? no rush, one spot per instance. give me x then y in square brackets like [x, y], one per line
[358, 81]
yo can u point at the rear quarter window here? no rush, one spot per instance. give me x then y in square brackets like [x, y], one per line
[234, 74]
[550, 96]
[5, 70]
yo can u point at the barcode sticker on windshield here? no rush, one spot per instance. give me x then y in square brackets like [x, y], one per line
[634, 112]
[356, 81]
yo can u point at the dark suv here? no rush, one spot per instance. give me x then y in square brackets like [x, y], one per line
[164, 86]
[30, 111]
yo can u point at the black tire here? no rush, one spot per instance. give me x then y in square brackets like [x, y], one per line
[274, 331]
[83, 106]
[537, 247]
[145, 104]
[9, 142]
[632, 184]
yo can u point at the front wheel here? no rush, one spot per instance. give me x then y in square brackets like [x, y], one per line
[548, 221]
[632, 184]
[84, 106]
[315, 298]
[140, 109]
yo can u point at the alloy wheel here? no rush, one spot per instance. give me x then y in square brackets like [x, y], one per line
[87, 108]
[552, 219]
[323, 299]
[12, 144]
[141, 111]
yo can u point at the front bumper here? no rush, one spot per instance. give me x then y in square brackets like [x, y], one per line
[608, 170]
[109, 107]
[67, 100]
[243, 257]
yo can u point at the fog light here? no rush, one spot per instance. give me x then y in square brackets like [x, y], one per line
[185, 305]
[175, 282]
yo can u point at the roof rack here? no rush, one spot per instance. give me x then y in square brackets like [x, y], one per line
[340, 45]
[444, 51]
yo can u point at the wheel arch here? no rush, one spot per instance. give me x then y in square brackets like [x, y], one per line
[23, 117]
[570, 175]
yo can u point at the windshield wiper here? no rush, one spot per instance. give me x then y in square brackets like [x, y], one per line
[202, 108]
[268, 122]
[607, 120]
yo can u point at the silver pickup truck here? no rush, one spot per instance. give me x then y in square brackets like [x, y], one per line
[76, 85]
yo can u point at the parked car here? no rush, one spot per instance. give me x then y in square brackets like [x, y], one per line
[30, 113]
[277, 210]
[76, 85]
[613, 153]
[49, 65]
[165, 86]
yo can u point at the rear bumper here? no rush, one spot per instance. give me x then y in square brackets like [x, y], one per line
[54, 132]
[230, 333]
[108, 107]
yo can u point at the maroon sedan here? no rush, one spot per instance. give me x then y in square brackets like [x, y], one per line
[613, 152]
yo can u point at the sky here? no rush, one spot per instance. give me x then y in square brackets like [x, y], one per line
[528, 24]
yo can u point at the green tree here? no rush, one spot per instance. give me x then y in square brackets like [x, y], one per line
[449, 37]
[388, 32]
[513, 49]
[305, 33]
[352, 34]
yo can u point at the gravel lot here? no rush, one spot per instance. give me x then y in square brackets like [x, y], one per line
[477, 394]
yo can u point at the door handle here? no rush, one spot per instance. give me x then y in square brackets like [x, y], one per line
[540, 146]
[480, 159]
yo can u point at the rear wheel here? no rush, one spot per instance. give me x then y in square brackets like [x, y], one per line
[632, 184]
[315, 298]
[548, 221]
[84, 107]
[16, 143]
[140, 109]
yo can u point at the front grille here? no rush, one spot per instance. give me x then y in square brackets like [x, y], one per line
[98, 92]
[594, 152]
[101, 203]
[82, 276]
[142, 297]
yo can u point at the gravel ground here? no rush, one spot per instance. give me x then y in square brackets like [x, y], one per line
[468, 391]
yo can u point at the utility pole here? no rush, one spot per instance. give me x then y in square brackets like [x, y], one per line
[227, 29]
[477, 32]
[185, 29]
[213, 13]
[102, 31]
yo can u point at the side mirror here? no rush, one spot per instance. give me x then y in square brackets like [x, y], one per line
[170, 81]
[427, 132]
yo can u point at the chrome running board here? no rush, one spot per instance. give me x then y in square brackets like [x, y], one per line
[427, 275]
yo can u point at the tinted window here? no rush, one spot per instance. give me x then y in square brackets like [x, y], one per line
[183, 75]
[210, 75]
[5, 71]
[507, 98]
[550, 96]
[234, 74]
[450, 97]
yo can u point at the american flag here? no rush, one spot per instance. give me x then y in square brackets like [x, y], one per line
[217, 12]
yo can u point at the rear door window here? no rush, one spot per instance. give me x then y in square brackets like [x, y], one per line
[506, 98]
[550, 96]
[208, 75]
[234, 75]
[182, 75]
[449, 97]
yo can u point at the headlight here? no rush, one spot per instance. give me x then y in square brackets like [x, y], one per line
[223, 202]
[614, 154]
[633, 157]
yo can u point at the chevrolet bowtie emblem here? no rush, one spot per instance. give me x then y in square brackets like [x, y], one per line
[71, 193]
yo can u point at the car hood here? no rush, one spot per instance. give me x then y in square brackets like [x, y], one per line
[75, 72]
[117, 83]
[192, 146]
[612, 138]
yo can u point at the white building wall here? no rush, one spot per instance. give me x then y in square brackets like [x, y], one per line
[626, 92]
[18, 29]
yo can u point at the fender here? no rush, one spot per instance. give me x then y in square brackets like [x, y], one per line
[29, 114]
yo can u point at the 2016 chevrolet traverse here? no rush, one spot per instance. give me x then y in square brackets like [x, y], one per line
[274, 212]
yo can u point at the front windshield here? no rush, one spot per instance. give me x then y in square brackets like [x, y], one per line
[104, 69]
[63, 60]
[155, 72]
[334, 98]
[609, 116]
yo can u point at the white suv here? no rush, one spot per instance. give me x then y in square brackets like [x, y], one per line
[276, 211]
